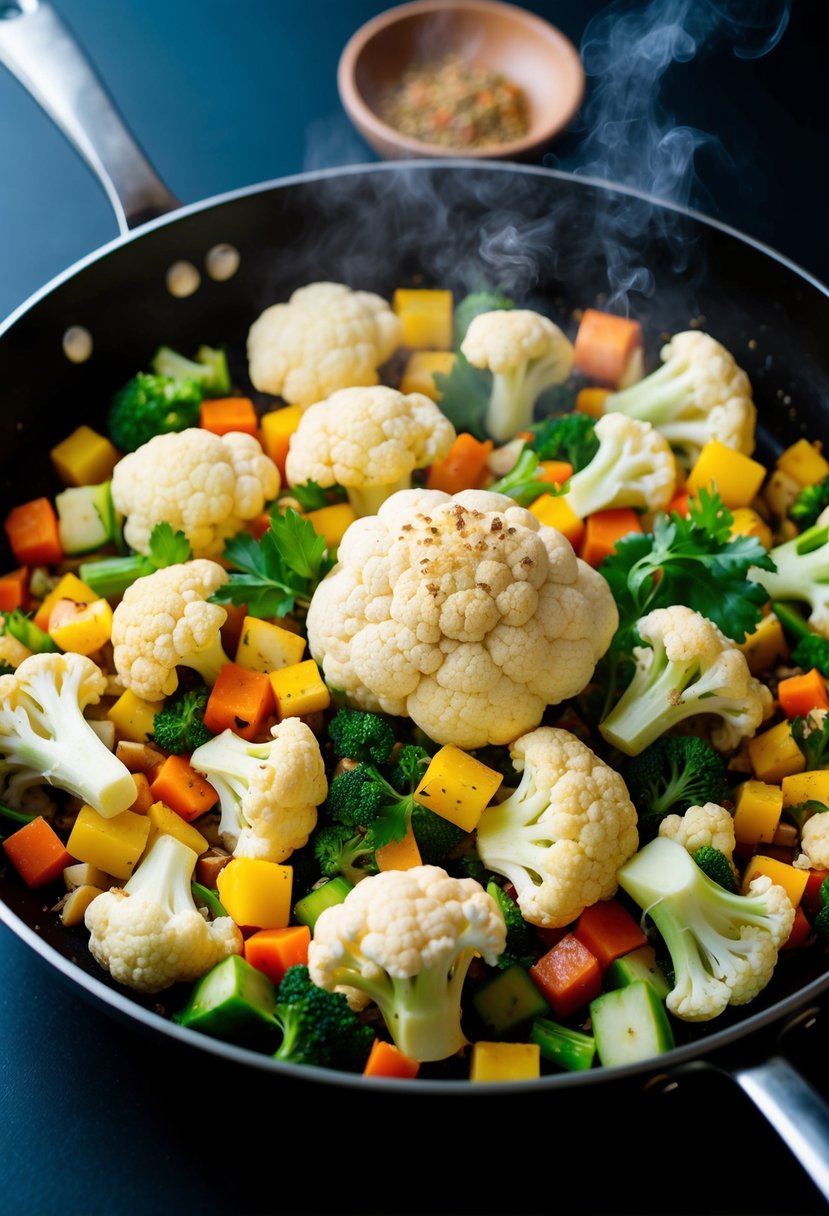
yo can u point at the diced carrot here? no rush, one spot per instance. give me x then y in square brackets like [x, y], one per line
[608, 930]
[224, 414]
[37, 853]
[680, 503]
[603, 529]
[801, 932]
[591, 401]
[14, 589]
[32, 529]
[604, 345]
[568, 976]
[555, 471]
[798, 695]
[273, 951]
[386, 1060]
[183, 789]
[240, 700]
[462, 468]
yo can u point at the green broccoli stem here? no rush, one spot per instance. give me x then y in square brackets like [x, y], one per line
[109, 577]
[368, 499]
[652, 703]
[802, 569]
[209, 898]
[521, 483]
[28, 633]
[658, 398]
[791, 619]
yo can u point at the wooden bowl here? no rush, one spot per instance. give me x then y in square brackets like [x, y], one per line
[527, 49]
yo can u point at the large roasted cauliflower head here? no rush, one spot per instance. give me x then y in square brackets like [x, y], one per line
[463, 613]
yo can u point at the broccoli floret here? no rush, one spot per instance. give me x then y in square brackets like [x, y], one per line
[518, 949]
[360, 735]
[675, 772]
[473, 305]
[809, 503]
[361, 797]
[319, 1027]
[179, 726]
[572, 438]
[714, 863]
[149, 405]
[344, 850]
[209, 368]
[437, 839]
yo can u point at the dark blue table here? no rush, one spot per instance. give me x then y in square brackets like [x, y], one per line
[99, 1120]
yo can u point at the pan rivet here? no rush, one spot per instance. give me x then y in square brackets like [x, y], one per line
[183, 279]
[77, 344]
[221, 262]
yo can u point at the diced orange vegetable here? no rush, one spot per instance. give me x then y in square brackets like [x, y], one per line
[277, 428]
[603, 529]
[386, 1060]
[37, 853]
[605, 345]
[554, 471]
[679, 503]
[14, 589]
[241, 700]
[399, 854]
[798, 695]
[462, 468]
[568, 976]
[608, 931]
[555, 511]
[801, 932]
[224, 414]
[591, 401]
[32, 529]
[183, 789]
[273, 951]
[792, 880]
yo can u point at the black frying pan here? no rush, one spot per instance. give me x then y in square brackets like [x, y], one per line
[544, 236]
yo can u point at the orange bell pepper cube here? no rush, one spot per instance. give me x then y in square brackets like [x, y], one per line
[608, 931]
[241, 700]
[463, 466]
[798, 695]
[221, 415]
[37, 853]
[604, 346]
[603, 529]
[14, 589]
[568, 976]
[386, 1060]
[273, 951]
[32, 529]
[177, 784]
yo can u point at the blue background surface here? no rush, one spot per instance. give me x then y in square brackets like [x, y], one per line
[98, 1119]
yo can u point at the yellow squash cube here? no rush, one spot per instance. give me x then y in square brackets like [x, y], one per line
[165, 822]
[805, 787]
[765, 646]
[84, 458]
[276, 428]
[774, 754]
[780, 872]
[266, 647]
[82, 874]
[400, 854]
[133, 717]
[81, 628]
[505, 1061]
[113, 845]
[736, 477]
[419, 372]
[68, 587]
[457, 787]
[299, 689]
[757, 812]
[554, 511]
[747, 522]
[332, 523]
[804, 462]
[427, 317]
[74, 906]
[256, 893]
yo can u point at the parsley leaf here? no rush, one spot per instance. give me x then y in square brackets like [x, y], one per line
[311, 496]
[813, 742]
[464, 396]
[168, 548]
[275, 575]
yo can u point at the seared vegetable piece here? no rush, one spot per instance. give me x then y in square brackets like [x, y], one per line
[675, 772]
[179, 726]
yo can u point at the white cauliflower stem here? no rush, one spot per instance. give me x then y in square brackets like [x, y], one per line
[164, 621]
[149, 934]
[269, 792]
[404, 939]
[205, 485]
[368, 440]
[801, 573]
[464, 613]
[44, 737]
[634, 467]
[723, 947]
[326, 337]
[563, 834]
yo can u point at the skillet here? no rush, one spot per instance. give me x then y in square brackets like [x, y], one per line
[541, 234]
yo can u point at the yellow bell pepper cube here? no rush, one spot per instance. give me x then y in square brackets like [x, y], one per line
[774, 754]
[332, 522]
[276, 428]
[68, 587]
[299, 689]
[765, 646]
[804, 462]
[256, 893]
[426, 316]
[165, 822]
[736, 477]
[74, 906]
[133, 717]
[399, 854]
[419, 372]
[266, 647]
[746, 522]
[113, 845]
[591, 401]
[780, 872]
[81, 628]
[457, 787]
[554, 511]
[84, 458]
[505, 1061]
[805, 787]
[757, 810]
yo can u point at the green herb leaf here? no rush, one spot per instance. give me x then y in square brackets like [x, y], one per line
[168, 548]
[464, 396]
[274, 574]
[814, 742]
[311, 496]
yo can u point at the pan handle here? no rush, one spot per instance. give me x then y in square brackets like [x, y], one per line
[38, 49]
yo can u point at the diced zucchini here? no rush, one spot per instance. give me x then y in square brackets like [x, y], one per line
[640, 964]
[216, 359]
[308, 909]
[209, 368]
[563, 1045]
[87, 518]
[630, 1024]
[232, 1001]
[508, 1000]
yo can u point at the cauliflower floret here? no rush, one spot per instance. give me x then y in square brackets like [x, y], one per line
[163, 622]
[149, 934]
[368, 440]
[326, 337]
[634, 467]
[687, 667]
[205, 485]
[269, 792]
[710, 825]
[405, 939]
[563, 834]
[814, 841]
[526, 354]
[464, 613]
[801, 572]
